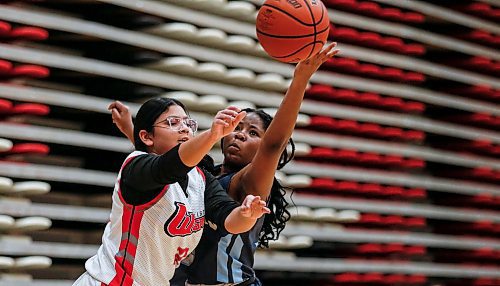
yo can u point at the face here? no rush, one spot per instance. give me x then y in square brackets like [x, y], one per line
[240, 146]
[163, 137]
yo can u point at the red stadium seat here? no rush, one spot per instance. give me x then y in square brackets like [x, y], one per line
[370, 129]
[415, 250]
[344, 34]
[393, 74]
[370, 158]
[414, 49]
[414, 163]
[320, 91]
[415, 193]
[394, 160]
[371, 219]
[29, 148]
[323, 184]
[347, 125]
[371, 189]
[369, 248]
[369, 98]
[394, 248]
[413, 17]
[31, 109]
[5, 67]
[347, 278]
[416, 279]
[394, 279]
[347, 186]
[393, 220]
[373, 277]
[392, 102]
[5, 106]
[416, 107]
[393, 44]
[347, 155]
[392, 132]
[323, 122]
[4, 29]
[391, 14]
[33, 71]
[370, 38]
[414, 77]
[345, 95]
[346, 4]
[393, 191]
[29, 33]
[369, 8]
[415, 222]
[370, 70]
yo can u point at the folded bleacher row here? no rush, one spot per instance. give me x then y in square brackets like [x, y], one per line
[396, 178]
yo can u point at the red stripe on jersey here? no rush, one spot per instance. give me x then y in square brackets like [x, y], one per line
[201, 173]
[131, 223]
[145, 206]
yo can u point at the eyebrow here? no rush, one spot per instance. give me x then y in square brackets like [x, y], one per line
[255, 126]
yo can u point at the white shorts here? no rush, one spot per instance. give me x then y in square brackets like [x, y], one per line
[86, 280]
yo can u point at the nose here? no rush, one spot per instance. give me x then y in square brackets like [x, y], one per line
[184, 128]
[240, 136]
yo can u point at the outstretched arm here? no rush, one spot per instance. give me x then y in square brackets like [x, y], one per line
[243, 218]
[257, 177]
[192, 151]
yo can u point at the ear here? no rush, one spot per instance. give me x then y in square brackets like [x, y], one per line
[146, 138]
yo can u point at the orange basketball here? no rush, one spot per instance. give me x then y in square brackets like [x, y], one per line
[292, 30]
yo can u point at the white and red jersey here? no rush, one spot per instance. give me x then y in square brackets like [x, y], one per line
[142, 245]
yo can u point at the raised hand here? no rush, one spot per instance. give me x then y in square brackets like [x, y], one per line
[226, 120]
[122, 119]
[308, 67]
[253, 207]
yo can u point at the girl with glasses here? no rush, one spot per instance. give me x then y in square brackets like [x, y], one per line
[252, 154]
[162, 200]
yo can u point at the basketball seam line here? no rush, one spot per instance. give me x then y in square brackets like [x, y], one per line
[292, 16]
[314, 27]
[289, 55]
[294, 36]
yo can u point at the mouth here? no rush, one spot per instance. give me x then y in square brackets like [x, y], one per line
[233, 146]
[182, 140]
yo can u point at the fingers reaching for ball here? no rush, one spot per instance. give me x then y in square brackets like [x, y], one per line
[308, 67]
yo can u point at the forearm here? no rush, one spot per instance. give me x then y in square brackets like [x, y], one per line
[129, 132]
[237, 223]
[192, 151]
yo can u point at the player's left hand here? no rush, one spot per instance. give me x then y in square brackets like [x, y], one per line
[253, 207]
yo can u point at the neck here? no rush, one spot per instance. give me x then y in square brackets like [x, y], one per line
[227, 168]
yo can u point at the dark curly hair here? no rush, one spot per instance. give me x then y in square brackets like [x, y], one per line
[274, 222]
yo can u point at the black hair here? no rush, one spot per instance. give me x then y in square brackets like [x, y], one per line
[147, 115]
[274, 222]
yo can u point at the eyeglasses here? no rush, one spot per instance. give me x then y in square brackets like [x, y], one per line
[175, 123]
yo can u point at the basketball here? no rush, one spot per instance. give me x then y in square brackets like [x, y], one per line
[292, 30]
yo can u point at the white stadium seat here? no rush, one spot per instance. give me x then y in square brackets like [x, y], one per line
[186, 97]
[32, 224]
[30, 188]
[214, 71]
